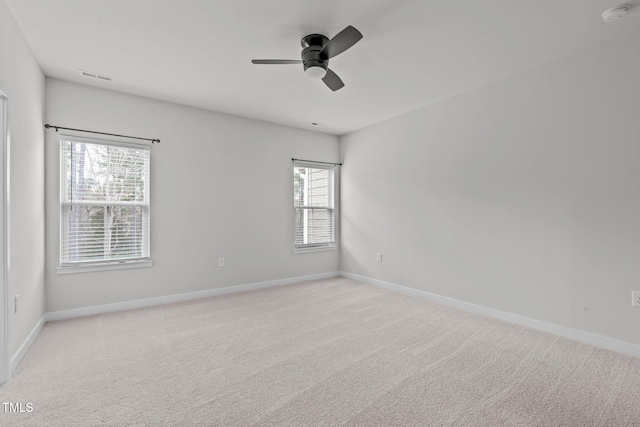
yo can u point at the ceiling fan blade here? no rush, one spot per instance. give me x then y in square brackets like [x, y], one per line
[276, 61]
[341, 42]
[332, 80]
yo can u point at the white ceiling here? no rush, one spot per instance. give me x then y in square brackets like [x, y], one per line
[198, 52]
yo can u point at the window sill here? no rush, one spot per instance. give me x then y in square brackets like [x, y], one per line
[314, 249]
[104, 267]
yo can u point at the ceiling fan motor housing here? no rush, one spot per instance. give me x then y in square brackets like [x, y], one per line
[311, 54]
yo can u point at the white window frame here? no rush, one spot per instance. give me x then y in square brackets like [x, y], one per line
[102, 265]
[317, 247]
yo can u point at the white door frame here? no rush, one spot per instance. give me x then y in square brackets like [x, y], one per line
[4, 235]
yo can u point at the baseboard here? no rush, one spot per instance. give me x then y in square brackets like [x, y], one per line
[129, 305]
[586, 337]
[26, 345]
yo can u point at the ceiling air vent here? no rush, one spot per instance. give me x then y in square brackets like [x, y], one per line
[97, 76]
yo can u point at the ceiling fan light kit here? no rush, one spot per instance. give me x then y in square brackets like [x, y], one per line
[316, 72]
[316, 52]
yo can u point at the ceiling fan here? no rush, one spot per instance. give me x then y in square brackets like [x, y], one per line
[316, 52]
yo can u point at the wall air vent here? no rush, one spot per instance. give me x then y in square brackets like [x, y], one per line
[97, 76]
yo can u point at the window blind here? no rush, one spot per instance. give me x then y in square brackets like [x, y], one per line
[313, 205]
[104, 201]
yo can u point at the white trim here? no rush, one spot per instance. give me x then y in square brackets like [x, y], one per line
[587, 337]
[128, 305]
[111, 265]
[5, 370]
[303, 250]
[134, 145]
[105, 203]
[26, 345]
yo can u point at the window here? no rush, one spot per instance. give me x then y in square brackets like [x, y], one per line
[104, 203]
[313, 194]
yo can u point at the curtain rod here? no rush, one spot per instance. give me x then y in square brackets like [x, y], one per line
[153, 140]
[313, 161]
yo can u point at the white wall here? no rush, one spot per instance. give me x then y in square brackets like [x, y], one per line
[221, 186]
[24, 82]
[523, 195]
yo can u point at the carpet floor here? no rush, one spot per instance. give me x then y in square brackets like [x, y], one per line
[323, 353]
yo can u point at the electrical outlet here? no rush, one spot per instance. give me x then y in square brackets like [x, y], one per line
[635, 298]
[220, 262]
[17, 305]
[379, 257]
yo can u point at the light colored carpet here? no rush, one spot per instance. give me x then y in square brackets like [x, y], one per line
[323, 353]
